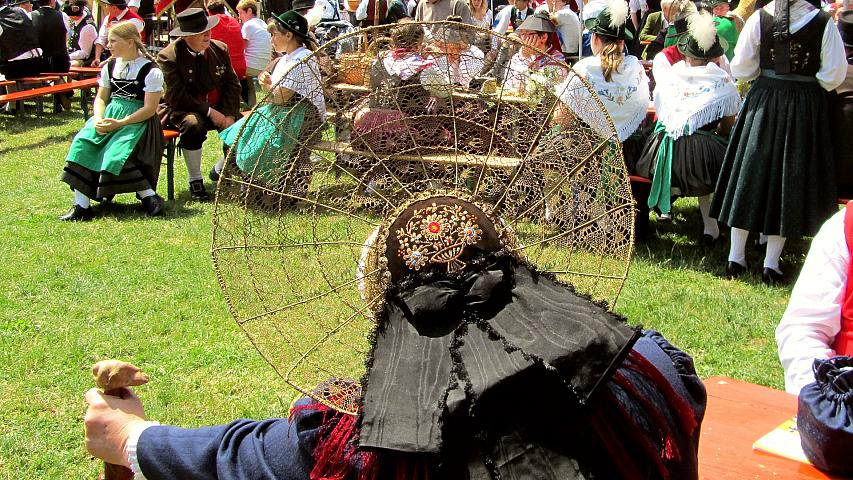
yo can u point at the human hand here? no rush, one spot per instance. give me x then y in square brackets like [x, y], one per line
[217, 118]
[108, 422]
[107, 125]
[96, 62]
[229, 121]
[265, 79]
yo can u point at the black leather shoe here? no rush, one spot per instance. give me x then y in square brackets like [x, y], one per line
[153, 205]
[734, 269]
[706, 240]
[197, 191]
[772, 277]
[213, 175]
[78, 214]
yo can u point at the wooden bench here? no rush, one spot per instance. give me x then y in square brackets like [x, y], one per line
[170, 139]
[82, 85]
[460, 158]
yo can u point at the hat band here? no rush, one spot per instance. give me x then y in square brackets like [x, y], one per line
[193, 25]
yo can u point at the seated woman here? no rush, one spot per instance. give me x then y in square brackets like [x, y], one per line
[619, 81]
[120, 148]
[406, 89]
[272, 145]
[696, 103]
[537, 32]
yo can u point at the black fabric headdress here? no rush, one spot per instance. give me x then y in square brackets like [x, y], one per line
[465, 319]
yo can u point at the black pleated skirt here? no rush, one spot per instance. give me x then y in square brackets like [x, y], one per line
[778, 176]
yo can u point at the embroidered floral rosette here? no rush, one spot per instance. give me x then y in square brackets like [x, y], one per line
[300, 238]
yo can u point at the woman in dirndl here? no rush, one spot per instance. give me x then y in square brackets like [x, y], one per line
[120, 148]
[778, 173]
[273, 144]
[619, 82]
[696, 103]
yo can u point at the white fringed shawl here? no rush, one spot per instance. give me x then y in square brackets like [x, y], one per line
[688, 98]
[626, 96]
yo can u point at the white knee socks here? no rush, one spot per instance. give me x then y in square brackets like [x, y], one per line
[219, 165]
[193, 160]
[775, 243]
[737, 250]
[711, 227]
[145, 193]
[82, 200]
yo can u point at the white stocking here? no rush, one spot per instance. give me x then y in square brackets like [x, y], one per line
[775, 243]
[82, 200]
[737, 251]
[711, 227]
[193, 160]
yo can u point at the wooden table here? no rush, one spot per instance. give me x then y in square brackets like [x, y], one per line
[738, 414]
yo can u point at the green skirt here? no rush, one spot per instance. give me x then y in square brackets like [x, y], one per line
[264, 141]
[108, 153]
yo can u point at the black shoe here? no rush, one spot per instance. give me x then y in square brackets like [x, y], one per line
[153, 205]
[78, 214]
[213, 175]
[197, 191]
[734, 269]
[706, 240]
[772, 277]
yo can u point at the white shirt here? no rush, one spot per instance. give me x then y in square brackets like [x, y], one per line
[331, 10]
[813, 317]
[128, 71]
[486, 22]
[833, 60]
[568, 29]
[301, 77]
[638, 6]
[102, 33]
[470, 63]
[134, 3]
[504, 17]
[258, 43]
[86, 42]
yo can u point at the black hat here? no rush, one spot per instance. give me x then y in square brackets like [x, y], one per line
[612, 21]
[193, 21]
[302, 5]
[293, 22]
[845, 27]
[701, 40]
[74, 8]
[538, 22]
[115, 3]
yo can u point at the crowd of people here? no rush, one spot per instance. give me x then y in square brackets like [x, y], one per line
[765, 163]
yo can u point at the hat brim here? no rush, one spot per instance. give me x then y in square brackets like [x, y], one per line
[287, 27]
[628, 36]
[715, 52]
[211, 22]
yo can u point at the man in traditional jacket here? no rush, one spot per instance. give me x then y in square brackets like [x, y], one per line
[202, 89]
[20, 54]
[52, 29]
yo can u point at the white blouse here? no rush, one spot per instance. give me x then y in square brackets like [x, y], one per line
[301, 77]
[833, 60]
[813, 317]
[128, 71]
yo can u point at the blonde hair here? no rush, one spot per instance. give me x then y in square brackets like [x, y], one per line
[481, 12]
[611, 56]
[126, 30]
[248, 5]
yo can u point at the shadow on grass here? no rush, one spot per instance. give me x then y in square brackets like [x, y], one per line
[53, 139]
[675, 245]
[133, 210]
[13, 124]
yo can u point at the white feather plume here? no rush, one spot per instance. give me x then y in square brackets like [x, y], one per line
[618, 12]
[314, 15]
[700, 26]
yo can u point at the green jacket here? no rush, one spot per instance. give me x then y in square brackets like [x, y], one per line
[728, 34]
[653, 26]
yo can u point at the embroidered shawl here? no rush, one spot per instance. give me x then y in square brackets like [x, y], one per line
[626, 96]
[688, 98]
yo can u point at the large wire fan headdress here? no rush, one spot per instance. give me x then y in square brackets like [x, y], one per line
[303, 197]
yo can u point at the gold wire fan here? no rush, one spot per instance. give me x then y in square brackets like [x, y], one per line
[290, 228]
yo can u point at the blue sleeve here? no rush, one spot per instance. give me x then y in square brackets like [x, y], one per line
[275, 449]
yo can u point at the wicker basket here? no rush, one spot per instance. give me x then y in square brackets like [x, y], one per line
[354, 67]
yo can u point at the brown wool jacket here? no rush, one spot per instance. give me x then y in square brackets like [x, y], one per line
[187, 86]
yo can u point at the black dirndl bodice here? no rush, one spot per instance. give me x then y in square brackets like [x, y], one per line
[129, 89]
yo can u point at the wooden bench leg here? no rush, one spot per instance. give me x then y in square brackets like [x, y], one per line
[84, 102]
[170, 169]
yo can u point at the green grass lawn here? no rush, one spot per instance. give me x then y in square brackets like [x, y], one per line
[144, 290]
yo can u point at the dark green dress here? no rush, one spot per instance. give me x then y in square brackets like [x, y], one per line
[778, 175]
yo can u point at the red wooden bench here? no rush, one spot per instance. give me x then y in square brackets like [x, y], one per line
[170, 138]
[37, 93]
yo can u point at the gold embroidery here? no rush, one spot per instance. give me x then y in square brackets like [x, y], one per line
[438, 234]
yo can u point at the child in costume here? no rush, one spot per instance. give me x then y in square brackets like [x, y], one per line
[120, 148]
